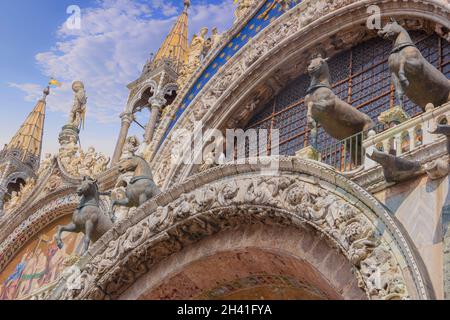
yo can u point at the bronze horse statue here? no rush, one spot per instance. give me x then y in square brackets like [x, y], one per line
[141, 187]
[88, 217]
[338, 118]
[411, 73]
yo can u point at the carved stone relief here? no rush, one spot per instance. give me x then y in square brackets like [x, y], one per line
[276, 200]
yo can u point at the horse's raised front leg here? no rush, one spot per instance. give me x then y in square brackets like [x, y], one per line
[401, 73]
[399, 92]
[89, 229]
[121, 202]
[71, 227]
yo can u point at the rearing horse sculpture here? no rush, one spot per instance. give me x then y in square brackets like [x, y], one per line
[411, 73]
[141, 187]
[339, 119]
[88, 217]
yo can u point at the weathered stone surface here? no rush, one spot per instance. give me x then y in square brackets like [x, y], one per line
[247, 200]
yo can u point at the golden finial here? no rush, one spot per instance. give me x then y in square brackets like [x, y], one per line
[175, 46]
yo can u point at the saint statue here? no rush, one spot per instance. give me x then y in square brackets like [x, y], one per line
[242, 8]
[45, 164]
[78, 112]
[131, 146]
[14, 201]
[216, 37]
[197, 47]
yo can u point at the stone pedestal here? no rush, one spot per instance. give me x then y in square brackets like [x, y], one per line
[309, 153]
[437, 169]
[69, 134]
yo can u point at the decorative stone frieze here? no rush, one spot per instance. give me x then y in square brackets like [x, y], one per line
[218, 199]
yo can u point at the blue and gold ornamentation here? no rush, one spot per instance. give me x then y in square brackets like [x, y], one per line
[267, 14]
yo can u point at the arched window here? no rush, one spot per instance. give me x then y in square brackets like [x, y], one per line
[379, 146]
[360, 76]
[418, 136]
[13, 186]
[405, 142]
[443, 120]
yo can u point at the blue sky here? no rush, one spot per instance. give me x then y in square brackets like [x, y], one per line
[115, 39]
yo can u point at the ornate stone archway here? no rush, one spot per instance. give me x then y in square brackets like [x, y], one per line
[281, 51]
[252, 262]
[304, 195]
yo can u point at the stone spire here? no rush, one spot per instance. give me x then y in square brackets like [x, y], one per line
[19, 160]
[28, 139]
[175, 46]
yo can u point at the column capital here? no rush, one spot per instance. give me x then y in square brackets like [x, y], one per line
[157, 102]
[127, 117]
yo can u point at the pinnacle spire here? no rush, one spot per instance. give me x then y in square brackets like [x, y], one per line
[175, 46]
[28, 139]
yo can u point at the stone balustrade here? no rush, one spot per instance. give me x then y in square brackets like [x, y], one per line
[409, 135]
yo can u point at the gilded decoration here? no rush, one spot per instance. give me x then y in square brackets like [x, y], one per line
[37, 265]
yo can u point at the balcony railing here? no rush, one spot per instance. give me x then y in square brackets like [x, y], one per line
[350, 153]
[409, 135]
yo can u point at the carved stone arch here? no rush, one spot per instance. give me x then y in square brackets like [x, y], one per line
[12, 178]
[286, 45]
[14, 182]
[170, 88]
[144, 86]
[305, 199]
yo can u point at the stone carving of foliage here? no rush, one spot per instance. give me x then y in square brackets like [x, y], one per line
[249, 199]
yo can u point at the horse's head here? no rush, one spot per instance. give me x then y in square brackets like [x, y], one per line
[441, 129]
[128, 165]
[88, 187]
[318, 67]
[391, 30]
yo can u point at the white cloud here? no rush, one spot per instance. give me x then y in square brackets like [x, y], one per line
[115, 40]
[32, 91]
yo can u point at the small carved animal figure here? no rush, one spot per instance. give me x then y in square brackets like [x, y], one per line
[88, 217]
[440, 168]
[141, 187]
[339, 119]
[445, 130]
[396, 169]
[411, 73]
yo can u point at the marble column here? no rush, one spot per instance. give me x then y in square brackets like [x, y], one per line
[127, 118]
[156, 105]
